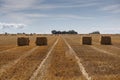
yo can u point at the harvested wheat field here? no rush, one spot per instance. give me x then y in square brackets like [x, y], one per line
[63, 58]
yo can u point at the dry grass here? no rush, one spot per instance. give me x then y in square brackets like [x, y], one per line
[62, 65]
[99, 65]
[24, 68]
[9, 56]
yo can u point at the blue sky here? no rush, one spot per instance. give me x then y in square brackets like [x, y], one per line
[42, 16]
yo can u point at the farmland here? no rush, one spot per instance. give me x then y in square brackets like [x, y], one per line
[64, 58]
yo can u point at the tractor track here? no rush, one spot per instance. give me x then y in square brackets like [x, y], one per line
[97, 61]
[103, 51]
[9, 65]
[49, 68]
[7, 50]
[64, 59]
[82, 68]
[43, 65]
[10, 72]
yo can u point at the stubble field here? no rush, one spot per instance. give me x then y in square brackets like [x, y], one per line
[64, 58]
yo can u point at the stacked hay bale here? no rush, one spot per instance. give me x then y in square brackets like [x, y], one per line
[22, 41]
[87, 40]
[41, 41]
[105, 40]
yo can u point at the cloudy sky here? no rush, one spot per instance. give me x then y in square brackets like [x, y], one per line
[42, 16]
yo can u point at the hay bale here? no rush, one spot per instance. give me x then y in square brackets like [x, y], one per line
[22, 41]
[105, 40]
[41, 41]
[87, 40]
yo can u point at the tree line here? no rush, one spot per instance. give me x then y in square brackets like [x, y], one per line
[95, 32]
[64, 32]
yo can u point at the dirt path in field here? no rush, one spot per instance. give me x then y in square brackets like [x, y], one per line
[24, 67]
[63, 59]
[109, 49]
[7, 50]
[116, 47]
[43, 65]
[9, 65]
[100, 64]
[82, 68]
[103, 51]
[60, 65]
[112, 46]
[10, 57]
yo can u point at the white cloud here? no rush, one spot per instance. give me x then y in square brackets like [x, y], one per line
[114, 8]
[106, 29]
[11, 10]
[36, 15]
[29, 11]
[61, 16]
[11, 25]
[57, 6]
[17, 5]
[64, 16]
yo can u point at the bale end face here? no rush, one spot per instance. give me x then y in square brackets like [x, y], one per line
[86, 40]
[40, 41]
[22, 41]
[105, 40]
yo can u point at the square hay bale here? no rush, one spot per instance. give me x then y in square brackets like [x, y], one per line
[105, 40]
[41, 41]
[22, 41]
[87, 40]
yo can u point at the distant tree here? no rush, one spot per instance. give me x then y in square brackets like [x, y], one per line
[31, 34]
[95, 32]
[6, 33]
[59, 32]
[64, 32]
[72, 32]
[23, 33]
[53, 31]
[34, 33]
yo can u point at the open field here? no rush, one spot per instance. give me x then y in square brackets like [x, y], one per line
[64, 58]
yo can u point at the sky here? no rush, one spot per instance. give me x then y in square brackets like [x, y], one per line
[42, 16]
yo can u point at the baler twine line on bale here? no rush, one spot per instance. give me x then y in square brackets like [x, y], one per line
[82, 68]
[41, 65]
